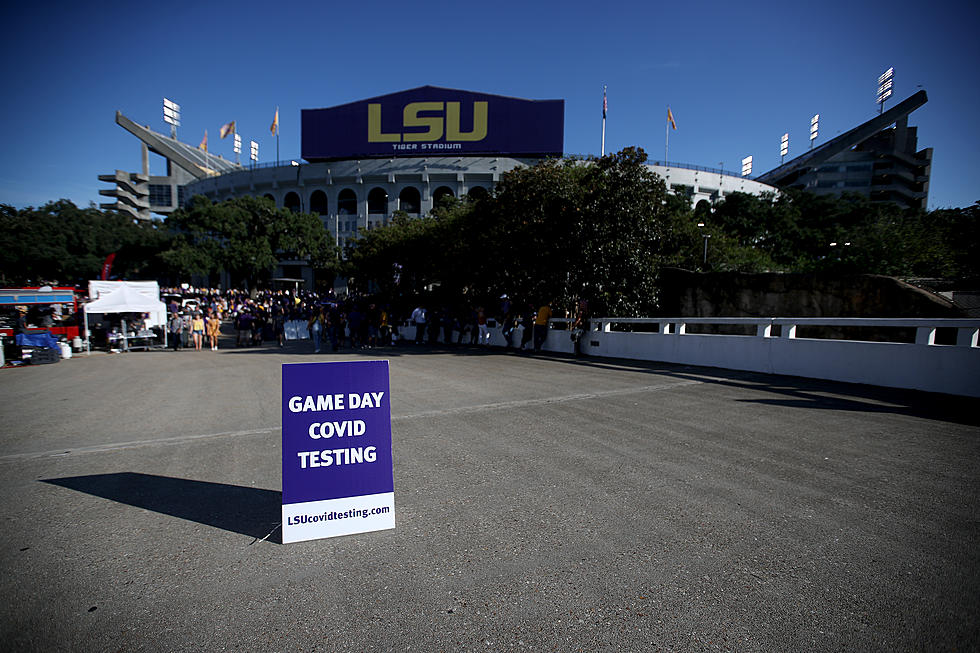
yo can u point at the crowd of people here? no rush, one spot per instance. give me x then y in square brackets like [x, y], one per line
[196, 315]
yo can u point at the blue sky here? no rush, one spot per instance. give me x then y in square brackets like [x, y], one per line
[737, 75]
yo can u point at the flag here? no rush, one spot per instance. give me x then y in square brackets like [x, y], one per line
[670, 119]
[204, 142]
[107, 266]
[228, 128]
[605, 105]
[275, 123]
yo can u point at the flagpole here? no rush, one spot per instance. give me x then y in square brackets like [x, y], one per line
[277, 135]
[602, 150]
[666, 137]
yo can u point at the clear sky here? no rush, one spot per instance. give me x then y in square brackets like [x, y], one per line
[737, 75]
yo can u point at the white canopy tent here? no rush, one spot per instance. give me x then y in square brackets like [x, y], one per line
[125, 298]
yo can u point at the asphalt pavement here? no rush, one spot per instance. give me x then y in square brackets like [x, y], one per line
[542, 503]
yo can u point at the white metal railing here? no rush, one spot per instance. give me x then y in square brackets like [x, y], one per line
[774, 346]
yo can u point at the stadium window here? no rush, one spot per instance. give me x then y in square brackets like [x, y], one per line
[318, 203]
[440, 194]
[160, 195]
[377, 201]
[410, 200]
[347, 202]
[269, 197]
[291, 202]
[478, 193]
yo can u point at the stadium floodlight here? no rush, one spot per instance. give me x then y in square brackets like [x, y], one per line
[885, 88]
[814, 128]
[747, 166]
[238, 144]
[254, 155]
[171, 115]
[784, 146]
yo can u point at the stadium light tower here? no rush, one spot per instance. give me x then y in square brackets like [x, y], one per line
[814, 128]
[783, 148]
[747, 166]
[238, 147]
[254, 155]
[885, 88]
[171, 116]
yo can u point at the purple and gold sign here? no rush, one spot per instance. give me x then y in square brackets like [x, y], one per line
[433, 121]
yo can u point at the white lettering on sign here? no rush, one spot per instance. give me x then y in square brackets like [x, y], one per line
[321, 403]
[367, 400]
[349, 428]
[329, 457]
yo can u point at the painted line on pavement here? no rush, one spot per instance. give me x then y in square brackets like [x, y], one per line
[503, 405]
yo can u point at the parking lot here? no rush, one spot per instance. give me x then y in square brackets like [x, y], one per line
[542, 503]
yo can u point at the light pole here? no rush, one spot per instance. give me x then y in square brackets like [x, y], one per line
[885, 88]
[705, 237]
[171, 116]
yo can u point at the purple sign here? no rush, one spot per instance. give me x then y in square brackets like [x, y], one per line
[336, 450]
[433, 121]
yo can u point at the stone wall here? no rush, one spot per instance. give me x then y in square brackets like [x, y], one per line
[733, 294]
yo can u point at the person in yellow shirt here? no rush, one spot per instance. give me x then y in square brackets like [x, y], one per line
[197, 330]
[541, 325]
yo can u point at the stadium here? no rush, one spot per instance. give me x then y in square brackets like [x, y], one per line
[404, 151]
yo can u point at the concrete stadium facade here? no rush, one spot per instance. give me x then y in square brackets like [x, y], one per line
[354, 193]
[359, 195]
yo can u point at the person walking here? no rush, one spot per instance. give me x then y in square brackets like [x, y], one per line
[315, 325]
[213, 327]
[527, 325]
[418, 317]
[541, 325]
[197, 330]
[481, 324]
[174, 326]
[580, 326]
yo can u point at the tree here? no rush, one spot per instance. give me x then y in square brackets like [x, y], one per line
[246, 237]
[60, 241]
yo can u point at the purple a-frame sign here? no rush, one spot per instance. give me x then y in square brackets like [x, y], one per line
[337, 475]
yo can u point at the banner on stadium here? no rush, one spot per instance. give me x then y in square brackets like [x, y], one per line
[433, 121]
[337, 475]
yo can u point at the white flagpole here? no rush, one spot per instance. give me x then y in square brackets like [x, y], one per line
[602, 151]
[666, 137]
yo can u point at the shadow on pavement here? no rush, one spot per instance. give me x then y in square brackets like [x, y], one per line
[783, 391]
[798, 392]
[250, 511]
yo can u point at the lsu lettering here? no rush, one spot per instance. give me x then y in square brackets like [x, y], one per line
[442, 118]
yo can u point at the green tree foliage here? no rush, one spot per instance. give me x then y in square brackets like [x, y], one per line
[245, 236]
[60, 241]
[802, 232]
[556, 231]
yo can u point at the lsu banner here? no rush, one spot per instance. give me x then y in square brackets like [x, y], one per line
[433, 121]
[336, 450]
